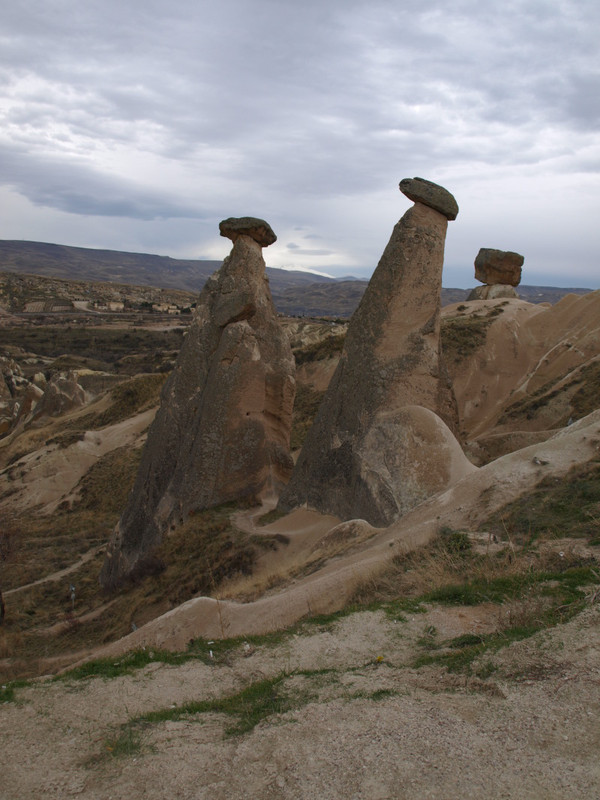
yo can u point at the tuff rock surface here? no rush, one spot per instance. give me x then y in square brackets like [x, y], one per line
[498, 267]
[63, 393]
[357, 459]
[223, 427]
[255, 228]
[430, 194]
[25, 399]
[493, 292]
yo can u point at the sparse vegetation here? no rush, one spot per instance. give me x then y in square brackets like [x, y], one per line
[97, 348]
[582, 401]
[127, 399]
[587, 398]
[306, 406]
[462, 336]
[248, 707]
[106, 485]
[127, 743]
[546, 599]
[328, 347]
[558, 507]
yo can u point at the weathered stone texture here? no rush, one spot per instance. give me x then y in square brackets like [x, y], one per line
[222, 431]
[63, 393]
[255, 228]
[430, 194]
[498, 266]
[22, 399]
[494, 292]
[391, 359]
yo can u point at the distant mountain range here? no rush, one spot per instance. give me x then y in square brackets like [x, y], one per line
[294, 292]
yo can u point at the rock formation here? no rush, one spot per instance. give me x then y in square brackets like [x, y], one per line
[499, 270]
[222, 431]
[23, 400]
[382, 440]
[63, 393]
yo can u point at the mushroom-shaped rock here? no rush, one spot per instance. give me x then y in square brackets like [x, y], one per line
[430, 194]
[498, 266]
[391, 359]
[222, 432]
[255, 228]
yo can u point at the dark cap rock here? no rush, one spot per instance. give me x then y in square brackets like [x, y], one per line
[257, 229]
[430, 194]
[498, 266]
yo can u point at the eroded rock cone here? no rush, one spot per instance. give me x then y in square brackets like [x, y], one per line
[222, 431]
[391, 360]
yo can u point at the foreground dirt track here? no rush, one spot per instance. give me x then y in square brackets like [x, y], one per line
[366, 724]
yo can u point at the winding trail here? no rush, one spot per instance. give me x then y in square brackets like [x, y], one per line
[61, 573]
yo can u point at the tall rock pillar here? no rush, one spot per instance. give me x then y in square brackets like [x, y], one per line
[223, 428]
[382, 441]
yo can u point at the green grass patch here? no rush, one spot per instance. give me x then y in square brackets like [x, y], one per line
[7, 690]
[564, 599]
[460, 659]
[395, 609]
[507, 587]
[248, 707]
[109, 668]
[128, 743]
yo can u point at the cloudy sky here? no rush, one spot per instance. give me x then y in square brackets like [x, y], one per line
[139, 124]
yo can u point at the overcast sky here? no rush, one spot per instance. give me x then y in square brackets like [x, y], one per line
[140, 124]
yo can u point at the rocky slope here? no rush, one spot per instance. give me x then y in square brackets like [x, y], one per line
[521, 372]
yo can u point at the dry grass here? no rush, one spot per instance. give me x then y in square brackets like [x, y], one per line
[43, 622]
[442, 564]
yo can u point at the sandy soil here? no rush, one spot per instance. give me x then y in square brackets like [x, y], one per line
[531, 730]
[49, 475]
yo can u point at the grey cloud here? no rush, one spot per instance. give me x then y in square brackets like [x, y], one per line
[81, 190]
[290, 106]
[303, 251]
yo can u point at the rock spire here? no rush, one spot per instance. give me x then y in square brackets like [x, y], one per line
[390, 396]
[223, 427]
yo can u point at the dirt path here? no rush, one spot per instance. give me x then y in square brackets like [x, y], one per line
[364, 723]
[245, 520]
[61, 573]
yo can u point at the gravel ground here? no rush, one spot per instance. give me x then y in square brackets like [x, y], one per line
[367, 724]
